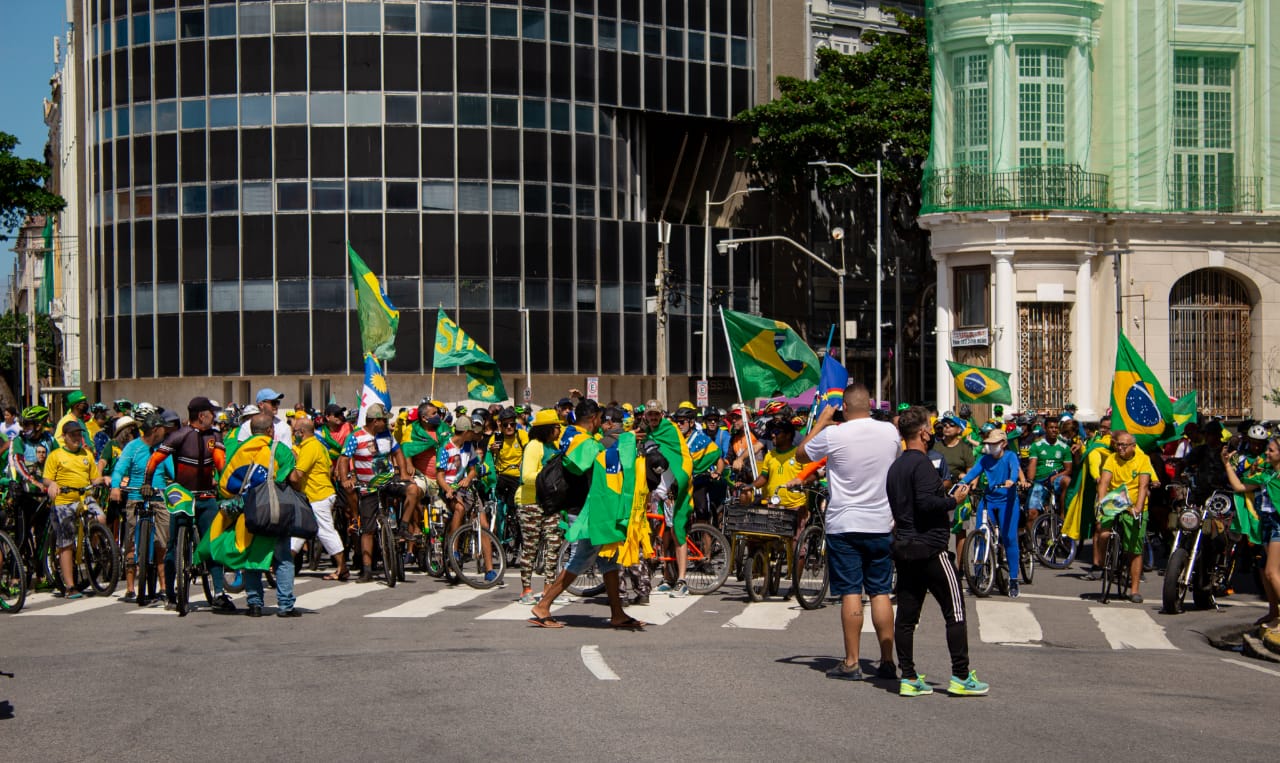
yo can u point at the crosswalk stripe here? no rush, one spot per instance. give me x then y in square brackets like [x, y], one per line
[766, 616]
[663, 609]
[1007, 623]
[515, 611]
[433, 603]
[1130, 629]
[71, 607]
[328, 596]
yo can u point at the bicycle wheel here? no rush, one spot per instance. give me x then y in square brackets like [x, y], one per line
[589, 583]
[757, 575]
[144, 563]
[52, 570]
[1052, 549]
[708, 564]
[387, 547]
[810, 578]
[101, 559]
[182, 570]
[1174, 591]
[777, 568]
[978, 563]
[1026, 559]
[1111, 567]
[432, 556]
[13, 576]
[469, 559]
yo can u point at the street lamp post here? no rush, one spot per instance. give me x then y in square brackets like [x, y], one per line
[732, 243]
[879, 275]
[706, 272]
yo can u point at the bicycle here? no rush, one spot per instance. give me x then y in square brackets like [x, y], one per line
[13, 573]
[763, 542]
[144, 549]
[985, 565]
[810, 581]
[1051, 548]
[706, 560]
[185, 569]
[96, 560]
[473, 551]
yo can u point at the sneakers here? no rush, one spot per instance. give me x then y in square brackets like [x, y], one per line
[969, 687]
[1136, 598]
[528, 599]
[664, 587]
[886, 669]
[680, 590]
[288, 613]
[845, 672]
[640, 601]
[914, 687]
[130, 598]
[1013, 589]
[490, 576]
[1094, 573]
[223, 603]
[255, 610]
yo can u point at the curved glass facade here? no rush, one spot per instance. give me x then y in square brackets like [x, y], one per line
[485, 157]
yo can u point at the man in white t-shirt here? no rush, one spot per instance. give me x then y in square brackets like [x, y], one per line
[268, 401]
[859, 453]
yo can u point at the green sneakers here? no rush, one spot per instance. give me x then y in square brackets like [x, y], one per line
[914, 687]
[969, 687]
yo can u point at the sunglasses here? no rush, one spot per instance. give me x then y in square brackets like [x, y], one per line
[509, 424]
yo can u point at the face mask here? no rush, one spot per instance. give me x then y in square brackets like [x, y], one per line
[433, 421]
[993, 449]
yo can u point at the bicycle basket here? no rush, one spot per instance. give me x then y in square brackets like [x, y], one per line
[748, 518]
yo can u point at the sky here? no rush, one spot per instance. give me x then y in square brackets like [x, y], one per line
[26, 58]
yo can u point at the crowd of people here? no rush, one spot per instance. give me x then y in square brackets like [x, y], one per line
[904, 490]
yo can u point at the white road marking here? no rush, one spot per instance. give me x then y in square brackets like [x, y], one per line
[332, 594]
[1001, 622]
[71, 607]
[766, 616]
[663, 609]
[1258, 668]
[1130, 629]
[1050, 597]
[515, 611]
[432, 603]
[595, 663]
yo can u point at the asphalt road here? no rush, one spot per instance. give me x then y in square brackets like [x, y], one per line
[425, 671]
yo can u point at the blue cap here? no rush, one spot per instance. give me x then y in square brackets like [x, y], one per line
[268, 395]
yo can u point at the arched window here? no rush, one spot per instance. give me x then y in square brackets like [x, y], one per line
[1209, 341]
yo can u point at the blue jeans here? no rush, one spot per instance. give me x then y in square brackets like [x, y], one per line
[282, 566]
[1008, 517]
[206, 510]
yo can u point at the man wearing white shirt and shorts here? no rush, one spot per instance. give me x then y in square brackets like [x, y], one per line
[859, 452]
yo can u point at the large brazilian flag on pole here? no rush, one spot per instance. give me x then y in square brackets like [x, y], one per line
[975, 384]
[378, 319]
[1139, 404]
[769, 358]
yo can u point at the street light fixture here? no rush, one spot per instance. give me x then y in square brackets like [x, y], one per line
[732, 243]
[706, 272]
[879, 275]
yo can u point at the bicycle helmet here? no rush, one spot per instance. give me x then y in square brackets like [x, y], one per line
[773, 408]
[142, 409]
[903, 406]
[98, 408]
[1257, 432]
[122, 406]
[148, 421]
[507, 414]
[36, 413]
[685, 414]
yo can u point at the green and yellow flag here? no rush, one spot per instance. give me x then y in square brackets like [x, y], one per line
[378, 319]
[230, 544]
[680, 463]
[769, 358]
[975, 384]
[1139, 404]
[454, 348]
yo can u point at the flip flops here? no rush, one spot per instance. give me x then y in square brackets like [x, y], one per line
[545, 622]
[630, 624]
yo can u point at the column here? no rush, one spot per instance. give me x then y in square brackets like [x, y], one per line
[945, 321]
[1082, 375]
[1079, 104]
[1006, 319]
[1003, 106]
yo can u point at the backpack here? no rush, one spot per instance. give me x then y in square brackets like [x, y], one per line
[552, 484]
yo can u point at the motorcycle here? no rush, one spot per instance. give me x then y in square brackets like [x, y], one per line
[1204, 552]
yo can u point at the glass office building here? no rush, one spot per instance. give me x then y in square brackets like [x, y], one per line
[486, 157]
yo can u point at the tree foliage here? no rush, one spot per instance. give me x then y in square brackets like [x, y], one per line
[22, 187]
[13, 328]
[862, 107]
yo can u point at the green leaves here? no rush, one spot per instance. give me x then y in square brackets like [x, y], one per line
[22, 187]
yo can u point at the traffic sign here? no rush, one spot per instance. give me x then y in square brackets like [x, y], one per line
[593, 388]
[704, 397]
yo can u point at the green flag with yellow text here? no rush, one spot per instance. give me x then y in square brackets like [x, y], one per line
[454, 348]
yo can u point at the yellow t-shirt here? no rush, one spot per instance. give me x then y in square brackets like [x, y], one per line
[71, 470]
[530, 466]
[314, 463]
[507, 460]
[1126, 473]
[781, 468]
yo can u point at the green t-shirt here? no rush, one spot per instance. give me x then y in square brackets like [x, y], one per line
[1050, 456]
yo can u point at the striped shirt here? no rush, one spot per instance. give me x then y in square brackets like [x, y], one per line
[454, 460]
[369, 455]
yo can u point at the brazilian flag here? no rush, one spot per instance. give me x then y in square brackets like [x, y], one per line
[975, 384]
[378, 319]
[769, 358]
[455, 348]
[180, 500]
[1139, 404]
[230, 544]
[605, 517]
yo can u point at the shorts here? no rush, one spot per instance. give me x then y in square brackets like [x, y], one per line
[160, 522]
[369, 504]
[676, 515]
[1039, 492]
[860, 563]
[582, 554]
[1132, 530]
[64, 524]
[1269, 523]
[427, 486]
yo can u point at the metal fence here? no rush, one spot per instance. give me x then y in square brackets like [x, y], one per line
[1050, 186]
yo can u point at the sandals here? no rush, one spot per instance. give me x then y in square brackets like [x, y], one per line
[343, 577]
[545, 622]
[630, 624]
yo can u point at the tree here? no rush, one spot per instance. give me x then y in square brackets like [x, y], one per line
[13, 329]
[22, 187]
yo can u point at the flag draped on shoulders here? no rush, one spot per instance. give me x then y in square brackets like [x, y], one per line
[703, 451]
[455, 348]
[230, 544]
[1139, 404]
[680, 464]
[769, 357]
[975, 384]
[421, 440]
[604, 519]
[379, 320]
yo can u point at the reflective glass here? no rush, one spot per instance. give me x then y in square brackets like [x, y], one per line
[166, 202]
[364, 194]
[437, 109]
[291, 109]
[259, 295]
[584, 119]
[194, 200]
[122, 122]
[401, 17]
[326, 109]
[364, 17]
[141, 29]
[506, 197]
[166, 116]
[327, 195]
[503, 22]
[325, 16]
[222, 21]
[164, 26]
[436, 291]
[224, 296]
[608, 34]
[473, 197]
[224, 197]
[630, 37]
[534, 25]
[437, 195]
[222, 112]
[255, 110]
[559, 115]
[471, 19]
[195, 296]
[364, 109]
[290, 18]
[437, 18]
[167, 298]
[505, 111]
[535, 115]
[193, 114]
[291, 196]
[192, 24]
[294, 295]
[402, 109]
[142, 302]
[142, 118]
[257, 197]
[255, 18]
[472, 110]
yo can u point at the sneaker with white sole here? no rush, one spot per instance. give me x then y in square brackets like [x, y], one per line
[663, 587]
[967, 687]
[680, 590]
[914, 687]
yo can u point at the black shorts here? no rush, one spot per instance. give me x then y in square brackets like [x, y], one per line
[369, 504]
[395, 489]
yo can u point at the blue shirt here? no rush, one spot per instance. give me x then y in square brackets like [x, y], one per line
[722, 439]
[998, 471]
[132, 464]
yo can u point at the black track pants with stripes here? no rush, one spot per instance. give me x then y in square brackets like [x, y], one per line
[936, 575]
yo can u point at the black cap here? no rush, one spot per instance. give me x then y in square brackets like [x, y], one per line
[199, 404]
[564, 402]
[333, 409]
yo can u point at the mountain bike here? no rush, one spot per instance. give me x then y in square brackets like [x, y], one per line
[186, 569]
[984, 564]
[145, 547]
[96, 561]
[473, 551]
[810, 580]
[1051, 548]
[13, 572]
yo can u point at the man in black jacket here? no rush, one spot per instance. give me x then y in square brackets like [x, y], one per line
[921, 531]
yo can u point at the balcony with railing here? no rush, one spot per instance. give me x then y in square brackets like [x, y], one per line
[1221, 192]
[1040, 187]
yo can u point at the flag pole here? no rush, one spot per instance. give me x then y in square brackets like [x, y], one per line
[439, 306]
[813, 411]
[746, 424]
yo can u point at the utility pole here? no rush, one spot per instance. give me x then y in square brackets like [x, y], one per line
[660, 281]
[33, 371]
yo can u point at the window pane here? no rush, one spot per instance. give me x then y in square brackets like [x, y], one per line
[437, 109]
[222, 112]
[437, 18]
[586, 202]
[257, 197]
[141, 29]
[584, 119]
[630, 38]
[122, 122]
[167, 298]
[329, 294]
[291, 109]
[364, 194]
[142, 118]
[535, 115]
[402, 109]
[559, 115]
[401, 18]
[142, 302]
[608, 32]
[503, 22]
[294, 295]
[403, 293]
[471, 19]
[327, 194]
[291, 195]
[364, 17]
[506, 111]
[364, 109]
[255, 18]
[291, 18]
[194, 200]
[259, 295]
[437, 196]
[222, 21]
[472, 110]
[166, 116]
[192, 24]
[559, 27]
[402, 195]
[223, 197]
[326, 17]
[506, 197]
[326, 108]
[534, 25]
[438, 292]
[164, 26]
[167, 201]
[195, 296]
[473, 197]
[224, 296]
[255, 110]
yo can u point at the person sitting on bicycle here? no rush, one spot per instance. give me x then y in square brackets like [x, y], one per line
[779, 471]
[1004, 476]
[506, 447]
[127, 479]
[370, 452]
[68, 475]
[1124, 483]
[458, 475]
[1050, 468]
